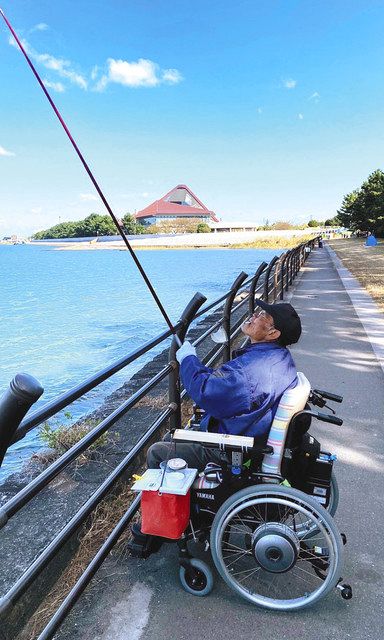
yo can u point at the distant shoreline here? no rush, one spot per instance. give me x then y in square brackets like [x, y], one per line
[231, 240]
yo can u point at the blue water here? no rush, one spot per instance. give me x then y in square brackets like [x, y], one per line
[66, 314]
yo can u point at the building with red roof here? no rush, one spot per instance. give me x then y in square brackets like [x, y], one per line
[180, 202]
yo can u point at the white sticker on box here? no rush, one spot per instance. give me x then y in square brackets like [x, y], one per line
[319, 491]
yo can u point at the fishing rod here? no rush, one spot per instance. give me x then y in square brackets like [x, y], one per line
[93, 180]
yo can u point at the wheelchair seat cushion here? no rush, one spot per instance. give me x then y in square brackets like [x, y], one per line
[292, 401]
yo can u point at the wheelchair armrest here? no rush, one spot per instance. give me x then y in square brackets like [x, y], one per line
[227, 442]
[220, 440]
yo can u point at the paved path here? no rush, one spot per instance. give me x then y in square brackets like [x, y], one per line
[143, 599]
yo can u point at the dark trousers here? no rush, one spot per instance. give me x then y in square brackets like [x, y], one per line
[196, 455]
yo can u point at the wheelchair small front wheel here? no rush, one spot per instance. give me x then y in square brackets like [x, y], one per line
[258, 547]
[196, 577]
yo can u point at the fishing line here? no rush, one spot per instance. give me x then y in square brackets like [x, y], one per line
[93, 180]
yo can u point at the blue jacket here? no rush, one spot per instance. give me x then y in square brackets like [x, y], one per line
[242, 395]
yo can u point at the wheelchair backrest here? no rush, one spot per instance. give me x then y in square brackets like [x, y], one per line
[292, 401]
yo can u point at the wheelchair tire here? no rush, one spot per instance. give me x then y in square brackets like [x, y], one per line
[196, 579]
[334, 497]
[258, 552]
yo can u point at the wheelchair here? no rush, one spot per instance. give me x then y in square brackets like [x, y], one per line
[266, 513]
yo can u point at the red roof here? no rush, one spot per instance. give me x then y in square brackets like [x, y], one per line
[170, 205]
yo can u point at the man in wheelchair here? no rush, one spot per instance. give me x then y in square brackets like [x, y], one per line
[241, 396]
[264, 504]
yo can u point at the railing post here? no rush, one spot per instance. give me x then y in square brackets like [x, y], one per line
[227, 313]
[297, 254]
[302, 255]
[174, 379]
[266, 280]
[284, 271]
[278, 274]
[253, 286]
[22, 393]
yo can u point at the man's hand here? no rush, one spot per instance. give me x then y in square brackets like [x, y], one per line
[185, 350]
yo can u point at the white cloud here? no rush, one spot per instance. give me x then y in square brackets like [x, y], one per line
[300, 116]
[4, 152]
[59, 65]
[88, 197]
[36, 210]
[56, 86]
[140, 73]
[41, 26]
[133, 74]
[289, 83]
[143, 73]
[259, 110]
[94, 72]
[315, 97]
[171, 76]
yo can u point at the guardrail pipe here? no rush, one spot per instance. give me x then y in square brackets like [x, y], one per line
[227, 313]
[174, 379]
[252, 288]
[24, 390]
[266, 279]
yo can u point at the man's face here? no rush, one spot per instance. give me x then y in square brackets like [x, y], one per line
[260, 328]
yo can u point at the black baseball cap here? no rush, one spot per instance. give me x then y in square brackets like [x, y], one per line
[285, 319]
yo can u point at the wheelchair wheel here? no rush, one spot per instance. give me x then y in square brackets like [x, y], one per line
[334, 497]
[258, 552]
[196, 578]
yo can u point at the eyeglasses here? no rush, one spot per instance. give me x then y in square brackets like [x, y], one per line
[263, 314]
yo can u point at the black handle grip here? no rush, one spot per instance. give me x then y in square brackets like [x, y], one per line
[329, 396]
[23, 391]
[327, 418]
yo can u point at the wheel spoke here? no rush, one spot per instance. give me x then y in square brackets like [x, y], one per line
[245, 553]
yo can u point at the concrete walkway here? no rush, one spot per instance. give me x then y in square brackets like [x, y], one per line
[138, 599]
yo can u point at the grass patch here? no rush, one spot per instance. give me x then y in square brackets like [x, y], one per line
[61, 437]
[274, 243]
[365, 263]
[262, 243]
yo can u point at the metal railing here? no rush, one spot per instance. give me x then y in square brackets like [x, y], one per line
[270, 281]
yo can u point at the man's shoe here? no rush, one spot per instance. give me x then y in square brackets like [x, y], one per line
[142, 544]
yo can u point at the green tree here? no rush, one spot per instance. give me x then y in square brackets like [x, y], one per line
[129, 224]
[313, 223]
[96, 225]
[62, 230]
[332, 222]
[282, 225]
[363, 208]
[203, 227]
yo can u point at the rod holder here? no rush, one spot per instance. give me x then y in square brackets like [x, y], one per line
[23, 391]
[174, 380]
[227, 313]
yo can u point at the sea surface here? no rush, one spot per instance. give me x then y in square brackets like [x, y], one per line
[64, 315]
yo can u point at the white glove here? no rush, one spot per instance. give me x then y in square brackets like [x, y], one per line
[185, 350]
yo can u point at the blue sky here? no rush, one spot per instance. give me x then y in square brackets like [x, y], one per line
[267, 109]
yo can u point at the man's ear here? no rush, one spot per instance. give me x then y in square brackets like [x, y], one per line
[274, 334]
